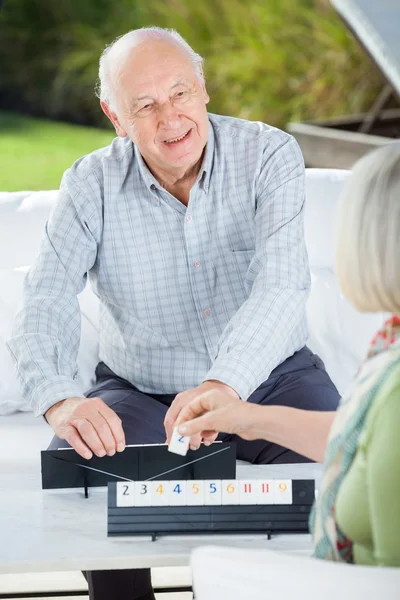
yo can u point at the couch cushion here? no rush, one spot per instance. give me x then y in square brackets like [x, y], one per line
[323, 189]
[338, 333]
[11, 282]
[23, 216]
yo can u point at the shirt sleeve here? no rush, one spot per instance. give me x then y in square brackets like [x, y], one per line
[46, 332]
[383, 479]
[271, 324]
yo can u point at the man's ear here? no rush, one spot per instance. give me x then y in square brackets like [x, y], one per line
[204, 90]
[120, 131]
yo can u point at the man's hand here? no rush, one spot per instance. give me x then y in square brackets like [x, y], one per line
[182, 399]
[88, 425]
[215, 411]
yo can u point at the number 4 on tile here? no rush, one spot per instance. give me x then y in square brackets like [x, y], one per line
[177, 493]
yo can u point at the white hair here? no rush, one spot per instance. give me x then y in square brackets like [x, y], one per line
[122, 45]
[368, 239]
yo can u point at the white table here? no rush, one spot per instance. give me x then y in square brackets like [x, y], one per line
[61, 530]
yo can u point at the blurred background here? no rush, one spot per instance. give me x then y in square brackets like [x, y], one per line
[278, 61]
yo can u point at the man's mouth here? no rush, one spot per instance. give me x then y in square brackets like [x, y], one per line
[177, 139]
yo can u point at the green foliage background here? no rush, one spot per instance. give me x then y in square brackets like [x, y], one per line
[269, 60]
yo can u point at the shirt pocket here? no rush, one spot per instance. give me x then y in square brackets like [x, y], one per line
[242, 258]
[240, 262]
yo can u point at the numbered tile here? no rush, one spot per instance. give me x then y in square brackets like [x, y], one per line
[283, 491]
[195, 493]
[247, 491]
[142, 493]
[265, 491]
[230, 491]
[125, 493]
[159, 493]
[212, 492]
[179, 444]
[177, 493]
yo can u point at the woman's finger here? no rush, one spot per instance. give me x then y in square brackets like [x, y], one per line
[209, 437]
[203, 423]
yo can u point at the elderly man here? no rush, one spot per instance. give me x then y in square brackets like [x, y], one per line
[190, 226]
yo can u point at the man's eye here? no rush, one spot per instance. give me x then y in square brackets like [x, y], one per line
[182, 95]
[146, 107]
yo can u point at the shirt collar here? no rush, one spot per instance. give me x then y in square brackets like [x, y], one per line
[208, 160]
[205, 170]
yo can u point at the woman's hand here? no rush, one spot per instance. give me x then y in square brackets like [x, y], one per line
[215, 411]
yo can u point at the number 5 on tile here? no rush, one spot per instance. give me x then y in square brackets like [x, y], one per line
[212, 492]
[195, 493]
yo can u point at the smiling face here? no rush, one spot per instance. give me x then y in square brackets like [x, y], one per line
[161, 106]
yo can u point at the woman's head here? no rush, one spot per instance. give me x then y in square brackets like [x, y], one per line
[368, 240]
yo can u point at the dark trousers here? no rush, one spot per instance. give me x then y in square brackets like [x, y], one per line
[299, 382]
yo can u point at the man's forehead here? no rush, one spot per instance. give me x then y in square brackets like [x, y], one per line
[152, 86]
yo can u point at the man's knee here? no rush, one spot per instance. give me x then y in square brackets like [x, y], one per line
[308, 388]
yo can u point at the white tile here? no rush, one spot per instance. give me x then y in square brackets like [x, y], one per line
[159, 493]
[195, 493]
[142, 493]
[179, 444]
[247, 491]
[212, 492]
[125, 493]
[230, 491]
[177, 493]
[283, 491]
[265, 491]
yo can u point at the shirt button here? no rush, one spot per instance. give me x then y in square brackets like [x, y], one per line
[189, 218]
[197, 263]
[207, 312]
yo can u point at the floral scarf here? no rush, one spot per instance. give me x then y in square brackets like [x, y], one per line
[384, 355]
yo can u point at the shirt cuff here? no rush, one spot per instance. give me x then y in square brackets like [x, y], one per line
[236, 374]
[51, 392]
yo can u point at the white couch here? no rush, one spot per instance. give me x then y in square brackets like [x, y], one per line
[338, 333]
[220, 573]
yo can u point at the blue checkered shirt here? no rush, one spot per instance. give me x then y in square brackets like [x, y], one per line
[214, 290]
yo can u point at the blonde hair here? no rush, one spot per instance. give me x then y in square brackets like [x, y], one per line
[118, 49]
[368, 239]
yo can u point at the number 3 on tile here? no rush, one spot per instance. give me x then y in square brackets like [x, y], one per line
[142, 494]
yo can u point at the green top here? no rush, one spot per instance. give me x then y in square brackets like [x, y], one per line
[368, 501]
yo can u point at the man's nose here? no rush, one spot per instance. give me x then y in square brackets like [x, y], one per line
[168, 115]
